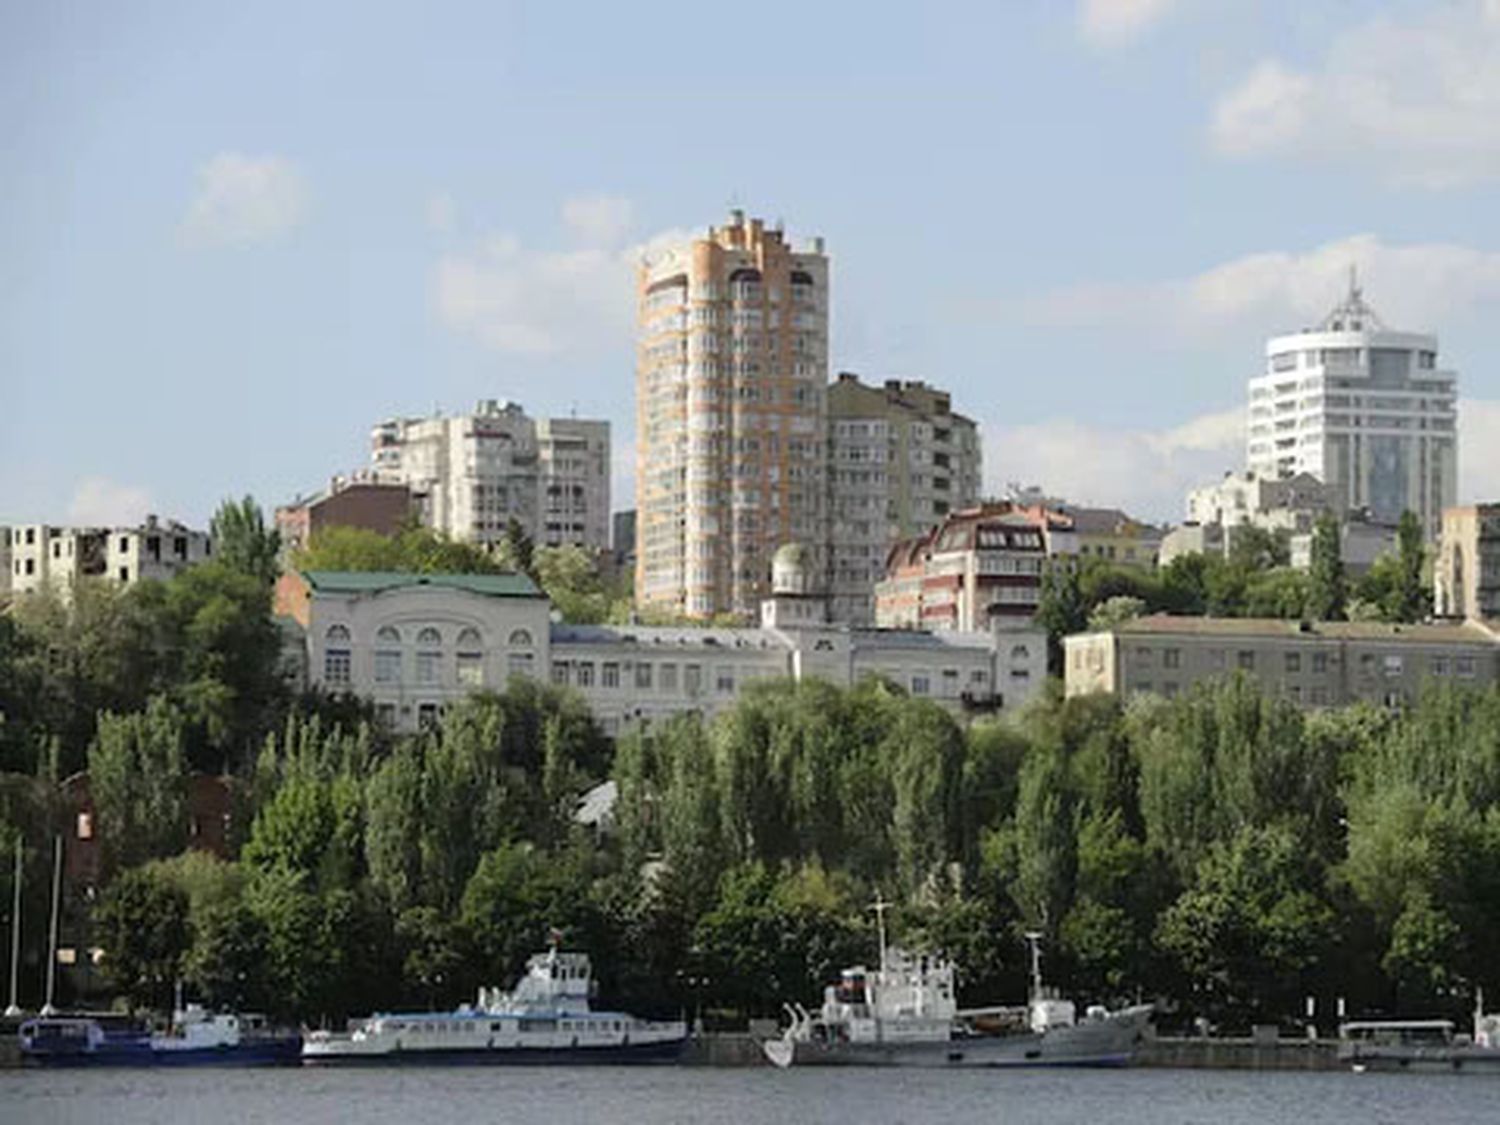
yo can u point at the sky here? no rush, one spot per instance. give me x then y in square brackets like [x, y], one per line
[235, 236]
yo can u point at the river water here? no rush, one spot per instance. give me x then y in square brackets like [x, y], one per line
[652, 1095]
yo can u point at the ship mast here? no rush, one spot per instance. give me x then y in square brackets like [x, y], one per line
[15, 934]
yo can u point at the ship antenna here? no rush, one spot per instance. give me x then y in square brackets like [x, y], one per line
[1034, 940]
[880, 906]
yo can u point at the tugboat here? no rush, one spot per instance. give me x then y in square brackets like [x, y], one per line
[545, 1019]
[906, 1014]
[195, 1037]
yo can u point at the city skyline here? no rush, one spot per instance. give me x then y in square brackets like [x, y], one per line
[1084, 231]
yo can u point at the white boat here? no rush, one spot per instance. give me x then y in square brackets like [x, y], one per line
[906, 1014]
[547, 1018]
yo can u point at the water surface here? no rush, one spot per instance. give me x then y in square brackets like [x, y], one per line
[663, 1095]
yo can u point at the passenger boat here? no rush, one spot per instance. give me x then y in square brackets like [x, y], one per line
[1422, 1045]
[547, 1018]
[195, 1037]
[906, 1014]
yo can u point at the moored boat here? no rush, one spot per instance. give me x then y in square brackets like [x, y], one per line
[547, 1018]
[195, 1037]
[1431, 1045]
[905, 1013]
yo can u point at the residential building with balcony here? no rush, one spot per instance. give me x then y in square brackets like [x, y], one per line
[900, 459]
[1312, 664]
[1466, 574]
[731, 415]
[471, 475]
[1366, 410]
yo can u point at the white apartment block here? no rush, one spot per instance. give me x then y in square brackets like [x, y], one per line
[731, 417]
[472, 474]
[1291, 503]
[43, 555]
[573, 464]
[900, 460]
[1364, 409]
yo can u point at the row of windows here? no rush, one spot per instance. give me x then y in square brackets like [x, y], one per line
[1388, 664]
[468, 637]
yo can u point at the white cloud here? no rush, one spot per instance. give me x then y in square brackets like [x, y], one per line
[598, 220]
[1113, 23]
[1416, 102]
[100, 502]
[1145, 472]
[528, 301]
[1415, 285]
[243, 200]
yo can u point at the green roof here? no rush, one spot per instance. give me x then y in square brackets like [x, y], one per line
[379, 581]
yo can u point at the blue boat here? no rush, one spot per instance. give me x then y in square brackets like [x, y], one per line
[196, 1037]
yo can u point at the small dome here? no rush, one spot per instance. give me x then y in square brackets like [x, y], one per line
[792, 569]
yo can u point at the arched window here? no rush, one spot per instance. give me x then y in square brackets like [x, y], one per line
[388, 655]
[519, 663]
[429, 656]
[520, 639]
[1020, 652]
[337, 662]
[470, 658]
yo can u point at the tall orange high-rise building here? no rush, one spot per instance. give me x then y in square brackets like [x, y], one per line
[731, 416]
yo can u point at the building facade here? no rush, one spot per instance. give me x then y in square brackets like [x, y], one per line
[415, 644]
[1466, 573]
[1364, 409]
[573, 474]
[1290, 503]
[361, 501]
[1322, 664]
[978, 568]
[900, 460]
[59, 557]
[471, 475]
[731, 416]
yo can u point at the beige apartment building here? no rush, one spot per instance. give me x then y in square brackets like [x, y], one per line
[1466, 575]
[900, 459]
[732, 362]
[1313, 664]
[58, 557]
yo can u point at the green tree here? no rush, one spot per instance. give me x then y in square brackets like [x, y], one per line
[1327, 592]
[243, 542]
[141, 923]
[1061, 611]
[138, 782]
[1115, 612]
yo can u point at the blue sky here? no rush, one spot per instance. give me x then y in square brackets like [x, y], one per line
[235, 236]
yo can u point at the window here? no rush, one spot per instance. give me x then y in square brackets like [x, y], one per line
[386, 713]
[1320, 662]
[336, 666]
[427, 715]
[921, 685]
[1319, 695]
[520, 638]
[1143, 655]
[1439, 665]
[1293, 661]
[643, 676]
[1464, 666]
[1216, 659]
[1245, 659]
[724, 679]
[1171, 658]
[388, 656]
[611, 675]
[560, 673]
[470, 659]
[1019, 652]
[85, 825]
[667, 681]
[583, 673]
[692, 678]
[518, 664]
[1394, 665]
[429, 656]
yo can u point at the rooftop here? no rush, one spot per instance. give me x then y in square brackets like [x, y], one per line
[1437, 633]
[379, 581]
